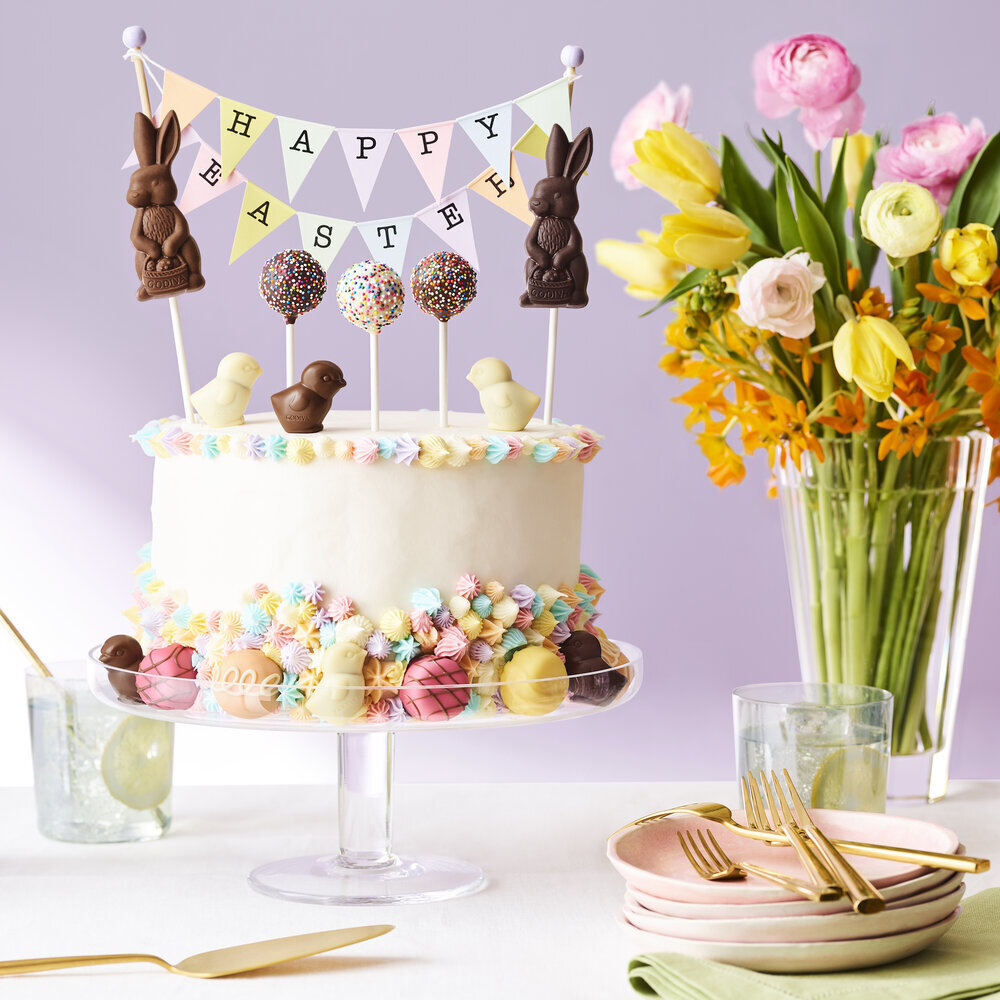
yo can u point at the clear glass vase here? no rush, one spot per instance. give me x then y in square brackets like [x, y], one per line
[881, 564]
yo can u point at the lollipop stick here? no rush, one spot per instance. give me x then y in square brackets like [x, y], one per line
[443, 371]
[23, 643]
[550, 374]
[182, 367]
[373, 364]
[289, 354]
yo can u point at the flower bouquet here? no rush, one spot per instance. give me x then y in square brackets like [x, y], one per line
[875, 408]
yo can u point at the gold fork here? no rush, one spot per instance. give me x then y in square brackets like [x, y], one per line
[711, 862]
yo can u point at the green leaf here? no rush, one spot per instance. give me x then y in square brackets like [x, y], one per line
[788, 229]
[835, 206]
[817, 237]
[690, 280]
[746, 198]
[867, 252]
[981, 197]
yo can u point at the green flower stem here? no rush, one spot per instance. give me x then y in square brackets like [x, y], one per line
[815, 589]
[818, 171]
[911, 275]
[857, 549]
[885, 504]
[890, 609]
[831, 574]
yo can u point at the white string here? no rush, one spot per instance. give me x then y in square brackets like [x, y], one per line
[147, 62]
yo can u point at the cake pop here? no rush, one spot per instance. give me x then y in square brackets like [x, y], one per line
[507, 404]
[300, 408]
[121, 655]
[223, 401]
[292, 282]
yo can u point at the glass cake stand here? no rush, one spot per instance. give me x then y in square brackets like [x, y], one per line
[364, 870]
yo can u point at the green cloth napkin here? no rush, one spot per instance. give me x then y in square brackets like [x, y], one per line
[963, 963]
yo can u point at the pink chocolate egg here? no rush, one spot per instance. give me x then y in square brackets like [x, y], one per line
[166, 678]
[427, 693]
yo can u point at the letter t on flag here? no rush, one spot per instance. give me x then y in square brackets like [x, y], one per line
[261, 213]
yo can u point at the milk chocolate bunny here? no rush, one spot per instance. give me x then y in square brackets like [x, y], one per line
[167, 259]
[556, 271]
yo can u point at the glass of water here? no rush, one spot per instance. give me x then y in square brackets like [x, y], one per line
[101, 776]
[832, 738]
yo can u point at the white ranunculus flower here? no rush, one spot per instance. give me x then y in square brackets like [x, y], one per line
[901, 218]
[776, 294]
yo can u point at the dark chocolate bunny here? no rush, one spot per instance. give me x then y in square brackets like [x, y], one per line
[556, 271]
[167, 260]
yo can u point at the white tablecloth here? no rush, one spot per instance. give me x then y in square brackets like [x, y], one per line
[543, 927]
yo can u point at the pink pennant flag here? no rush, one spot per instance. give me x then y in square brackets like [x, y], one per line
[428, 146]
[365, 151]
[451, 220]
[205, 181]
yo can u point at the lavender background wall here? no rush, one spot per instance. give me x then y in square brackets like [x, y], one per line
[694, 575]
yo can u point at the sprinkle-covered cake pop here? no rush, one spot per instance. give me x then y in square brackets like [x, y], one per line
[443, 284]
[292, 283]
[370, 295]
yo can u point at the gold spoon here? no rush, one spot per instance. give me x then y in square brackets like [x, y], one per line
[718, 813]
[223, 961]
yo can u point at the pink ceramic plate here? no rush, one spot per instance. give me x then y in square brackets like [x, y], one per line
[894, 919]
[650, 857]
[937, 881]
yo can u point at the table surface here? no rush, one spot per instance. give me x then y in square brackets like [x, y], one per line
[543, 926]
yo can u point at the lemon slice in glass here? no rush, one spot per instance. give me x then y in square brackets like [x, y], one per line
[852, 778]
[137, 763]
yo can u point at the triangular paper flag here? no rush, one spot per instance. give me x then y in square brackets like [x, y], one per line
[548, 106]
[301, 144]
[387, 239]
[186, 97]
[261, 213]
[451, 220]
[188, 136]
[490, 131]
[510, 197]
[533, 142]
[205, 181]
[365, 149]
[428, 146]
[240, 126]
[323, 236]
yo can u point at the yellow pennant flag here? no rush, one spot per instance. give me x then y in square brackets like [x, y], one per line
[533, 142]
[240, 126]
[187, 98]
[261, 213]
[511, 198]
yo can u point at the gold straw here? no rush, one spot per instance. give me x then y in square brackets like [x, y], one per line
[23, 643]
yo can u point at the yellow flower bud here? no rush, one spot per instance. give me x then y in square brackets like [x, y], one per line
[677, 165]
[704, 236]
[969, 254]
[650, 274]
[901, 218]
[866, 351]
[859, 148]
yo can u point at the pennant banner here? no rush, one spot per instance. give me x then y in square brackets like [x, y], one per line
[187, 98]
[451, 220]
[533, 142]
[387, 239]
[240, 127]
[205, 181]
[365, 150]
[323, 236]
[490, 131]
[548, 106]
[428, 146]
[301, 144]
[510, 197]
[261, 213]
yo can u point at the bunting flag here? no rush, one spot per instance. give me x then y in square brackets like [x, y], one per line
[428, 146]
[510, 197]
[240, 126]
[533, 142]
[490, 131]
[387, 239]
[188, 137]
[451, 220]
[261, 213]
[205, 181]
[301, 144]
[365, 150]
[187, 98]
[548, 106]
[323, 236]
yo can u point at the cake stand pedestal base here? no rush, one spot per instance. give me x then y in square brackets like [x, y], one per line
[365, 871]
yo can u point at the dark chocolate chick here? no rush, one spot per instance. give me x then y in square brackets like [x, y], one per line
[583, 656]
[300, 408]
[121, 654]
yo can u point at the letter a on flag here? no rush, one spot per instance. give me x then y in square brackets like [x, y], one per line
[451, 220]
[301, 144]
[240, 126]
[261, 213]
[428, 147]
[511, 197]
[205, 181]
[323, 236]
[365, 150]
[490, 131]
[548, 106]
[187, 98]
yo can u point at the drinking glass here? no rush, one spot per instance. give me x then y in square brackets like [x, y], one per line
[832, 738]
[101, 776]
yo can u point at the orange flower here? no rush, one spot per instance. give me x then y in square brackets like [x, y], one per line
[853, 277]
[911, 388]
[932, 340]
[950, 291]
[800, 349]
[725, 466]
[872, 303]
[793, 430]
[851, 419]
[986, 381]
[705, 398]
[911, 433]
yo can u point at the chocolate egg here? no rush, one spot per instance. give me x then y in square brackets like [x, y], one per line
[534, 681]
[434, 688]
[166, 677]
[245, 684]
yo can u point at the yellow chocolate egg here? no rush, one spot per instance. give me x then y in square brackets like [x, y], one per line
[534, 681]
[245, 684]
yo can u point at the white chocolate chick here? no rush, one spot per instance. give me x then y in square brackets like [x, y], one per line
[340, 695]
[507, 404]
[223, 401]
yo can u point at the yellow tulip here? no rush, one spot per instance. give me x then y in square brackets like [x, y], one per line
[677, 165]
[866, 351]
[969, 254]
[704, 236]
[859, 148]
[650, 275]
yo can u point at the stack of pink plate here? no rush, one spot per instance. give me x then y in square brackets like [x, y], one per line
[755, 924]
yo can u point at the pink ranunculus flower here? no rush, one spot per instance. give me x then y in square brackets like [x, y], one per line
[814, 74]
[660, 105]
[776, 294]
[933, 152]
